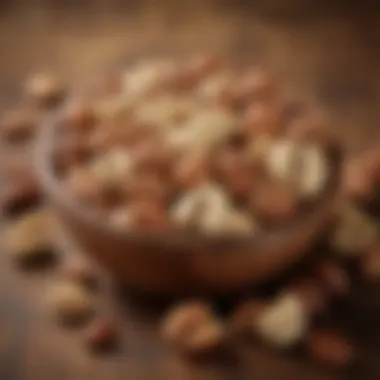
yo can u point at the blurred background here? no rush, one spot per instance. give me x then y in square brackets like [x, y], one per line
[325, 51]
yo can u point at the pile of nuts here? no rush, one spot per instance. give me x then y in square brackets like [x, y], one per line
[197, 146]
[191, 145]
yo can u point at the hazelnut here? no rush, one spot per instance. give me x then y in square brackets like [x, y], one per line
[333, 277]
[70, 302]
[244, 317]
[274, 202]
[79, 115]
[258, 148]
[284, 322]
[79, 273]
[29, 238]
[262, 118]
[355, 231]
[330, 348]
[101, 334]
[192, 328]
[44, 88]
[18, 125]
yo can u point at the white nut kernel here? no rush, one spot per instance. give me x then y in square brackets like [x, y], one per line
[283, 323]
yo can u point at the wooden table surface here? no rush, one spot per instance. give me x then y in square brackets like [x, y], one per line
[327, 54]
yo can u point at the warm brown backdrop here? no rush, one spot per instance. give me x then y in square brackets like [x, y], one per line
[327, 53]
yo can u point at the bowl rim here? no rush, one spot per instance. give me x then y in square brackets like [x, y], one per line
[42, 159]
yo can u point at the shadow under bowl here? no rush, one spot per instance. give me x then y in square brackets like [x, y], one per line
[184, 263]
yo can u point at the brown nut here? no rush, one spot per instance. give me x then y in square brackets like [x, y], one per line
[79, 115]
[190, 171]
[46, 89]
[146, 186]
[245, 316]
[204, 65]
[333, 277]
[19, 195]
[192, 328]
[80, 273]
[255, 84]
[330, 348]
[70, 303]
[262, 118]
[274, 202]
[18, 125]
[101, 334]
[148, 214]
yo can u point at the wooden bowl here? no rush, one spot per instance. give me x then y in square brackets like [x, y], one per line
[183, 263]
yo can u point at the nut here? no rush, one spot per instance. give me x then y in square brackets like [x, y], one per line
[255, 84]
[191, 171]
[244, 317]
[80, 273]
[18, 125]
[44, 88]
[303, 167]
[70, 302]
[112, 168]
[203, 131]
[274, 202]
[262, 118]
[330, 348]
[101, 334]
[79, 115]
[284, 322]
[355, 232]
[29, 238]
[333, 277]
[192, 328]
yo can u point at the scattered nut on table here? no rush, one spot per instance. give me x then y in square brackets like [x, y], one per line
[284, 322]
[70, 303]
[330, 348]
[193, 328]
[29, 239]
[19, 124]
[101, 334]
[44, 88]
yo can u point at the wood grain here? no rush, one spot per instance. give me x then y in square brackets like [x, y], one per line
[327, 54]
